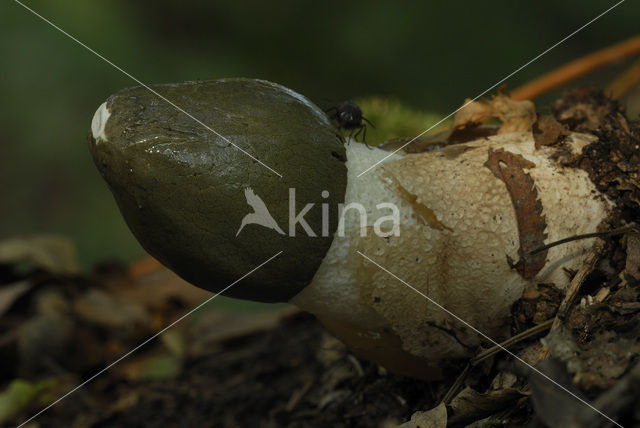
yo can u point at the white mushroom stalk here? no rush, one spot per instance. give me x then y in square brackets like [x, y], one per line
[459, 244]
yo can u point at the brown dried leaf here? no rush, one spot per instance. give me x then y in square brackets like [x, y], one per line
[548, 131]
[155, 290]
[100, 308]
[515, 116]
[509, 167]
[214, 327]
[53, 253]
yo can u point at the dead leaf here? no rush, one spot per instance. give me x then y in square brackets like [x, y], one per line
[509, 167]
[548, 131]
[98, 307]
[213, 327]
[516, 116]
[153, 291]
[55, 254]
[434, 418]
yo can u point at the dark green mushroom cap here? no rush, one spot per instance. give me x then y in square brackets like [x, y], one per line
[181, 188]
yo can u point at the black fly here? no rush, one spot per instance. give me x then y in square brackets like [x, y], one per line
[349, 117]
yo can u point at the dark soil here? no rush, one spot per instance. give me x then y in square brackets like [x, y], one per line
[270, 379]
[255, 382]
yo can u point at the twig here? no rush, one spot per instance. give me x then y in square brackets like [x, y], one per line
[618, 231]
[453, 389]
[576, 68]
[577, 281]
[511, 341]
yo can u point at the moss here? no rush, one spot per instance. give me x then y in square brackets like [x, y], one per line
[393, 119]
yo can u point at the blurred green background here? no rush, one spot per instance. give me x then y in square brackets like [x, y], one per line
[430, 55]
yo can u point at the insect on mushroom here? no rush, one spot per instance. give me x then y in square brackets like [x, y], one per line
[349, 117]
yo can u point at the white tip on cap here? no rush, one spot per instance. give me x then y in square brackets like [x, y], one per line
[99, 121]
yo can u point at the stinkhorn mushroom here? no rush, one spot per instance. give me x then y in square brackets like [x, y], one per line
[457, 224]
